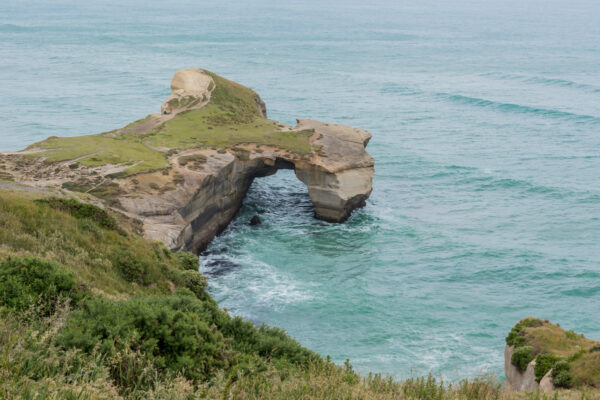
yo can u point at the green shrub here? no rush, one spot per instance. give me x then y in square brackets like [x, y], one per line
[544, 363]
[131, 268]
[138, 268]
[561, 374]
[195, 281]
[173, 332]
[562, 365]
[81, 210]
[28, 281]
[178, 333]
[562, 379]
[187, 260]
[577, 355]
[522, 356]
[265, 341]
[516, 335]
[192, 280]
[515, 338]
[350, 376]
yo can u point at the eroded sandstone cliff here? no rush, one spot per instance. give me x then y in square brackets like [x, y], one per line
[540, 355]
[184, 172]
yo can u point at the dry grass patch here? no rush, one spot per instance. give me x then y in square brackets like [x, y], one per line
[551, 338]
[586, 369]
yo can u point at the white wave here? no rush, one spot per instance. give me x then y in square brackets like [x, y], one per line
[256, 284]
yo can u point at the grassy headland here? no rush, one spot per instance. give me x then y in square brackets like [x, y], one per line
[573, 358]
[231, 117]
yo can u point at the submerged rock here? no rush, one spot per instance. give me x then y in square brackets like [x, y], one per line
[185, 172]
[255, 221]
[221, 266]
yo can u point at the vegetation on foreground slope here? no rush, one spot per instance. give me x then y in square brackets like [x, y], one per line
[91, 310]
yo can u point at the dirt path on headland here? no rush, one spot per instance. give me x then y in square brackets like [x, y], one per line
[10, 186]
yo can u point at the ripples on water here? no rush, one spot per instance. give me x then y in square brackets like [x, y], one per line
[486, 202]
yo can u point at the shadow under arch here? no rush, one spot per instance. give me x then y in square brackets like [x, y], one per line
[218, 197]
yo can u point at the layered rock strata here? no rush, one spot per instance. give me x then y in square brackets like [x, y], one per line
[185, 203]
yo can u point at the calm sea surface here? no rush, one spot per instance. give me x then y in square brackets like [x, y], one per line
[486, 134]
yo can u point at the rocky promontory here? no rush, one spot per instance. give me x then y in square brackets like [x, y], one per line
[540, 355]
[184, 172]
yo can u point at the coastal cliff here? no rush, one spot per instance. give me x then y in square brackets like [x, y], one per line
[540, 355]
[138, 322]
[184, 172]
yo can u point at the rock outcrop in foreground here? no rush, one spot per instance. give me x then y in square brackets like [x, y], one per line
[184, 172]
[542, 356]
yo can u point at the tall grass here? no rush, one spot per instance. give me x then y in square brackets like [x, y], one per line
[91, 310]
[33, 366]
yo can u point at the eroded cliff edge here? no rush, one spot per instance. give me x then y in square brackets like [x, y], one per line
[184, 172]
[540, 355]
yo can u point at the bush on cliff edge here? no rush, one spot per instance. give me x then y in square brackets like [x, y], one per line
[544, 363]
[522, 356]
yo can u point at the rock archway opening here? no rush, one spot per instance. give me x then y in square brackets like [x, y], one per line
[276, 197]
[270, 167]
[325, 194]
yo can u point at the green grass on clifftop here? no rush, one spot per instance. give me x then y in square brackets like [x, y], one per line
[98, 150]
[109, 301]
[553, 347]
[232, 117]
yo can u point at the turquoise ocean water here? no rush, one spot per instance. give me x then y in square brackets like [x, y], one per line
[486, 134]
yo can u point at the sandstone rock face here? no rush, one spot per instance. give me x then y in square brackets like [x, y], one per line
[340, 178]
[515, 379]
[546, 384]
[191, 214]
[187, 203]
[190, 88]
[191, 81]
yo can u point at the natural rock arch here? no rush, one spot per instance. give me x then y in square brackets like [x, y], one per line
[338, 172]
[211, 201]
[184, 172]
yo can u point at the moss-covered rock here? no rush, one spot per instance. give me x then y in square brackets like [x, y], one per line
[570, 356]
